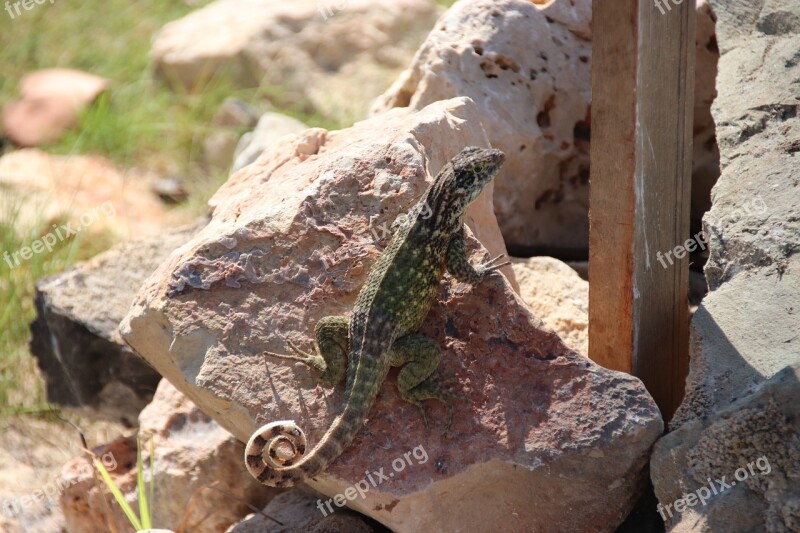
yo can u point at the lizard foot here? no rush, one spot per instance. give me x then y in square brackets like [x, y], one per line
[489, 266]
[309, 359]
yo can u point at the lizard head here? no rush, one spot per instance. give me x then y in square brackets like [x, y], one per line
[473, 169]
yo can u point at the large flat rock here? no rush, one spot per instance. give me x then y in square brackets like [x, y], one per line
[543, 438]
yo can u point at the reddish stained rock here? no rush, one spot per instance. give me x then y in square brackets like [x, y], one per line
[51, 102]
[542, 439]
[86, 192]
[199, 486]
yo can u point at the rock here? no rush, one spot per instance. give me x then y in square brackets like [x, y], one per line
[270, 128]
[86, 192]
[221, 144]
[219, 147]
[705, 154]
[52, 100]
[742, 333]
[200, 483]
[745, 330]
[33, 451]
[290, 242]
[74, 86]
[38, 122]
[556, 293]
[335, 56]
[753, 445]
[87, 508]
[235, 113]
[297, 511]
[527, 67]
[84, 361]
[171, 190]
[752, 228]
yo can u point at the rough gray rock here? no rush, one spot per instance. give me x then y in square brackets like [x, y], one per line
[270, 128]
[297, 511]
[754, 446]
[745, 330]
[84, 361]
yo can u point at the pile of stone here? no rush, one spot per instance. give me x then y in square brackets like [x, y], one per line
[543, 439]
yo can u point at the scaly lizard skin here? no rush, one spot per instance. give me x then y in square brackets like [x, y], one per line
[390, 307]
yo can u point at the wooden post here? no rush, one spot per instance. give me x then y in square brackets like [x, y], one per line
[641, 152]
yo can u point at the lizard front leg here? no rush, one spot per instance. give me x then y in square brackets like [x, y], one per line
[332, 343]
[419, 356]
[459, 266]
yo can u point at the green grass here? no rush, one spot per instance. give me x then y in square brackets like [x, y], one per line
[138, 122]
[107, 38]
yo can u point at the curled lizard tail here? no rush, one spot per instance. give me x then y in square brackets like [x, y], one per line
[285, 464]
[285, 443]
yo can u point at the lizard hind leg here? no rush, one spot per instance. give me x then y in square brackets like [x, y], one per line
[284, 443]
[332, 341]
[419, 357]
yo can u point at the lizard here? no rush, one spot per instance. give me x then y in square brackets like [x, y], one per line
[380, 333]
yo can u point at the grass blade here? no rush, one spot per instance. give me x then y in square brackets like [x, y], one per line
[118, 495]
[144, 510]
[152, 472]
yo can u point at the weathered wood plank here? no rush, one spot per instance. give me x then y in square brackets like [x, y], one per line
[642, 87]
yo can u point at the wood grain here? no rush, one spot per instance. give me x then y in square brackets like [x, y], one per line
[642, 88]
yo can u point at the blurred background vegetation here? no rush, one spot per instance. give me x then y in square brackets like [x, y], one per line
[139, 122]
